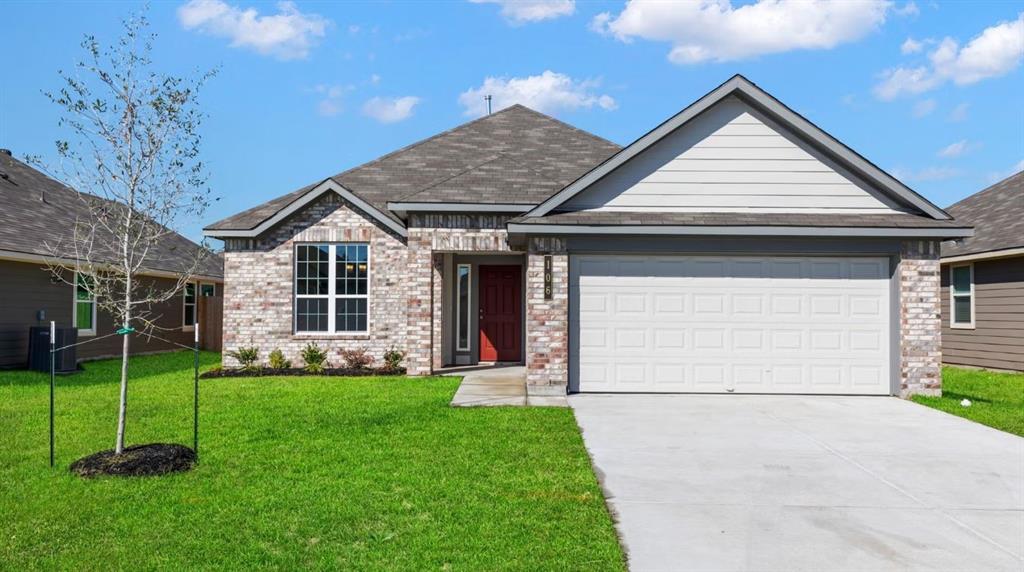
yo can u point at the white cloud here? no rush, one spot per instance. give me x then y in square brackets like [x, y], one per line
[954, 149]
[995, 52]
[911, 46]
[924, 107]
[523, 11]
[996, 176]
[287, 35]
[908, 9]
[714, 30]
[390, 109]
[959, 112]
[549, 92]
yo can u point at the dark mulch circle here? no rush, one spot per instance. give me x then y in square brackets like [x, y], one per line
[137, 461]
[298, 371]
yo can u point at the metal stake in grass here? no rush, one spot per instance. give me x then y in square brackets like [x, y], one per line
[195, 398]
[53, 367]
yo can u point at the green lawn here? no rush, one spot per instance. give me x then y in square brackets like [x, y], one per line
[997, 399]
[354, 473]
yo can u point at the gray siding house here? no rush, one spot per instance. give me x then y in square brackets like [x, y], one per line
[37, 211]
[983, 281]
[734, 248]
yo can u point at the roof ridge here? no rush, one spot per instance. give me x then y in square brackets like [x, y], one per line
[569, 125]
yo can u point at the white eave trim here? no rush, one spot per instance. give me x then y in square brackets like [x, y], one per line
[330, 185]
[991, 255]
[31, 258]
[818, 231]
[787, 117]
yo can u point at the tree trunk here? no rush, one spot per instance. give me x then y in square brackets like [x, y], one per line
[122, 409]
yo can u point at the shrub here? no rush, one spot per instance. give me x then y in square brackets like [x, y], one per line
[356, 358]
[277, 360]
[247, 356]
[393, 359]
[315, 358]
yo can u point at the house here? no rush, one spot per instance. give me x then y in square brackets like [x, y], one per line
[736, 247]
[983, 280]
[35, 212]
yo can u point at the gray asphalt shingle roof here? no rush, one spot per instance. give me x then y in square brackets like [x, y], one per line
[514, 156]
[997, 214]
[38, 211]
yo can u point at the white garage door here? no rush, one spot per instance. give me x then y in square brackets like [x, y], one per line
[730, 324]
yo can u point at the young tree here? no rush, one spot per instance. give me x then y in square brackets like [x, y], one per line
[131, 153]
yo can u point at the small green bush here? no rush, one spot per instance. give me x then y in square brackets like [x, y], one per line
[247, 356]
[277, 360]
[393, 359]
[315, 358]
[357, 358]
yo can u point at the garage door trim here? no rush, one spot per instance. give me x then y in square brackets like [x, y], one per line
[893, 286]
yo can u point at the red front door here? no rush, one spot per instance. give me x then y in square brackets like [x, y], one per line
[501, 317]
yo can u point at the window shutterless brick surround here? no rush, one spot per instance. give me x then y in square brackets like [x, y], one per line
[406, 293]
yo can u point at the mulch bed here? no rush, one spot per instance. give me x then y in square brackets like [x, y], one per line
[298, 371]
[137, 461]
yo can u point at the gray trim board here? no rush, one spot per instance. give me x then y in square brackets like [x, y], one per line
[542, 229]
[751, 94]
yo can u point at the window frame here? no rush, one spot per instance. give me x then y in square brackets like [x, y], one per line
[953, 295]
[74, 308]
[195, 306]
[458, 307]
[332, 295]
[202, 284]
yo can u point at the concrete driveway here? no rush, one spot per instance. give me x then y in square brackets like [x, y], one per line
[735, 482]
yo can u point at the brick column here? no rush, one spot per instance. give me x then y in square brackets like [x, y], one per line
[920, 320]
[420, 273]
[437, 290]
[547, 321]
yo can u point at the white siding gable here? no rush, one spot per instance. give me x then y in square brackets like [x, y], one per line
[731, 158]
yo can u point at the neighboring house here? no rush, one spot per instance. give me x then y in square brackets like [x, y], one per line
[983, 280]
[36, 211]
[734, 248]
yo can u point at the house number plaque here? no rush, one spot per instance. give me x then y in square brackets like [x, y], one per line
[547, 277]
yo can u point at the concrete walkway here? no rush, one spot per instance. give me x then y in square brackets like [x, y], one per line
[744, 482]
[499, 385]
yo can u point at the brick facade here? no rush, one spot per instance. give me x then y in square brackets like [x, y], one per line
[258, 301]
[406, 292]
[920, 321]
[547, 321]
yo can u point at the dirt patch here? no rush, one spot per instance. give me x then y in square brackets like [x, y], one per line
[137, 461]
[297, 371]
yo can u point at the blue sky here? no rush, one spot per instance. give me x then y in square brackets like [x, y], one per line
[931, 92]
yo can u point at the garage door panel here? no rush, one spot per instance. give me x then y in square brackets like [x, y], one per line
[733, 324]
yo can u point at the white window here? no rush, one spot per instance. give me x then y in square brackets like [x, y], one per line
[188, 297]
[84, 309]
[463, 301]
[961, 293]
[332, 288]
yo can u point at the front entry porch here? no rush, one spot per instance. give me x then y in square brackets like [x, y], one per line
[489, 386]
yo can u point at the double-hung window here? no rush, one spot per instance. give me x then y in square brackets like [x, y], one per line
[188, 298]
[961, 293]
[332, 288]
[85, 306]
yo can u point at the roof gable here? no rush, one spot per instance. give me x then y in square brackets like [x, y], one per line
[885, 187]
[732, 158]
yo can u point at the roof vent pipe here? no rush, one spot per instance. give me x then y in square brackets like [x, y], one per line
[486, 97]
